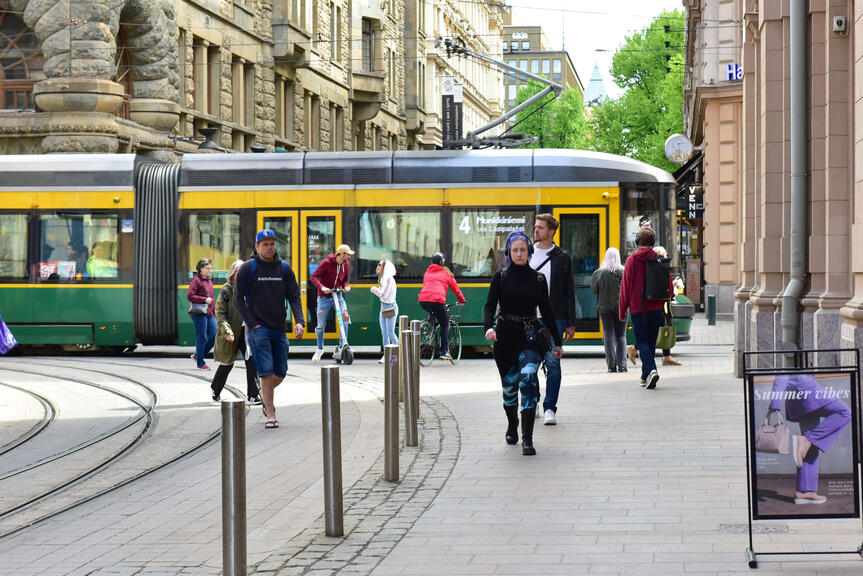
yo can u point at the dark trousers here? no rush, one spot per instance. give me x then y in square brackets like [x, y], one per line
[221, 376]
[439, 311]
[614, 340]
[645, 326]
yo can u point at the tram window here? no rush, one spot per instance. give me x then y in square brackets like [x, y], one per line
[13, 245]
[78, 246]
[479, 237]
[408, 239]
[214, 236]
[640, 207]
[282, 226]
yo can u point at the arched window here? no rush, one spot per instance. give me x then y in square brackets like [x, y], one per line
[124, 73]
[21, 62]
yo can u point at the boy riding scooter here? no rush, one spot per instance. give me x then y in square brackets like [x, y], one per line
[331, 280]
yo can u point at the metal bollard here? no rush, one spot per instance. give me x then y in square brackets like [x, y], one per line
[234, 487]
[711, 309]
[416, 325]
[391, 413]
[331, 426]
[404, 322]
[409, 389]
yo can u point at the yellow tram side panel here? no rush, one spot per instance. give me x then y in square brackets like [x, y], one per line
[267, 199]
[71, 199]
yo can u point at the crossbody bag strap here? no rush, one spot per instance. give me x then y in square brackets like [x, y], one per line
[544, 262]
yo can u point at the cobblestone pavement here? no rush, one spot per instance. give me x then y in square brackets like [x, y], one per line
[629, 482]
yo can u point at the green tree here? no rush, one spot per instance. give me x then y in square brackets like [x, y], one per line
[557, 123]
[649, 68]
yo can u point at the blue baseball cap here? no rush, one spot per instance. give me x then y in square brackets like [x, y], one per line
[265, 233]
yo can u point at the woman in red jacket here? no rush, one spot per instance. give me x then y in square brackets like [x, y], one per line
[437, 280]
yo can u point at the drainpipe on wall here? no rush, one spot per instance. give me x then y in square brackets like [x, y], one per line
[791, 306]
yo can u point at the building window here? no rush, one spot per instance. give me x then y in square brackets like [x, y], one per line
[199, 74]
[546, 67]
[534, 66]
[368, 62]
[512, 89]
[523, 65]
[335, 31]
[513, 47]
[337, 128]
[391, 56]
[299, 13]
[556, 75]
[312, 123]
[505, 45]
[214, 73]
[525, 45]
[285, 108]
[21, 63]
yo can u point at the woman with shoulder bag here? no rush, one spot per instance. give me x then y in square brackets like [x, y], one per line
[229, 338]
[519, 341]
[202, 310]
[386, 291]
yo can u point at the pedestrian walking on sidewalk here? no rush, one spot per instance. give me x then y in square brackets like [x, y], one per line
[201, 292]
[647, 315]
[229, 338]
[556, 265]
[605, 283]
[386, 292]
[520, 340]
[263, 285]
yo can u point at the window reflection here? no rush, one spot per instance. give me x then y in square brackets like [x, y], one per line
[407, 238]
[78, 246]
[214, 236]
[479, 237]
[13, 245]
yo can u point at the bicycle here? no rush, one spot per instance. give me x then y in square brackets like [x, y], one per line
[430, 338]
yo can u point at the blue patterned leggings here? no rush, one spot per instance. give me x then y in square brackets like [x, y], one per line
[522, 377]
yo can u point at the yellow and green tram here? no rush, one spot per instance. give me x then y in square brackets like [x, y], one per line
[98, 250]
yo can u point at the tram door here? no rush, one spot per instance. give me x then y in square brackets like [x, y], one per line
[305, 239]
[583, 233]
[321, 233]
[284, 224]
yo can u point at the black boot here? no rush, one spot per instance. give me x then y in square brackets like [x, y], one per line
[512, 424]
[527, 419]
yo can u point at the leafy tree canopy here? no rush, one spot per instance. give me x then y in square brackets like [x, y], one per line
[557, 123]
[649, 67]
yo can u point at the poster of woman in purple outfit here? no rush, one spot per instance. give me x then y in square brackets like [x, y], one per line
[818, 476]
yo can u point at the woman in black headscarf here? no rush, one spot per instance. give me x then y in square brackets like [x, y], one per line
[520, 340]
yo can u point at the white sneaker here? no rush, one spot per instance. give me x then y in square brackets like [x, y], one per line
[381, 361]
[318, 353]
[539, 410]
[550, 419]
[652, 379]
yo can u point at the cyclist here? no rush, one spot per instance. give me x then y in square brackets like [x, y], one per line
[437, 280]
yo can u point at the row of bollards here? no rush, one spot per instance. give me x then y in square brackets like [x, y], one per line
[401, 383]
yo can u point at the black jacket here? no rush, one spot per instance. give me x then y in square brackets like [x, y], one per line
[261, 299]
[562, 295]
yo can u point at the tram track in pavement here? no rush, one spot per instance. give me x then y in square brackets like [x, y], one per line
[10, 522]
[48, 414]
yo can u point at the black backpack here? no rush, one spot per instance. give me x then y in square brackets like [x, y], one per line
[656, 280]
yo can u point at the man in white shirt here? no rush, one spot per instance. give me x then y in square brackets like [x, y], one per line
[556, 265]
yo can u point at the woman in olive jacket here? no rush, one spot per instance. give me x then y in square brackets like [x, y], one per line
[230, 336]
[605, 283]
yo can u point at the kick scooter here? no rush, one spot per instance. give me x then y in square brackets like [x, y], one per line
[343, 352]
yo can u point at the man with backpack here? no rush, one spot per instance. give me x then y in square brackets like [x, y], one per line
[555, 264]
[644, 293]
[263, 285]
